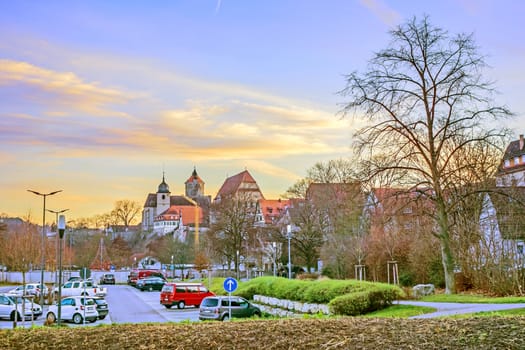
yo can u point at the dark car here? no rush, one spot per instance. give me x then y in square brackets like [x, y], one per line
[107, 278]
[102, 307]
[150, 283]
[218, 308]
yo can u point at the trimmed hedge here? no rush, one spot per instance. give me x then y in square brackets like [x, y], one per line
[345, 297]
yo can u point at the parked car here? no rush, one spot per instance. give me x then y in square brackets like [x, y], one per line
[150, 283]
[135, 275]
[30, 289]
[107, 278]
[218, 308]
[182, 294]
[74, 309]
[33, 304]
[102, 307]
[10, 309]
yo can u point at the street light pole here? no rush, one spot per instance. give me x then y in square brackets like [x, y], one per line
[61, 226]
[58, 241]
[274, 244]
[289, 236]
[43, 263]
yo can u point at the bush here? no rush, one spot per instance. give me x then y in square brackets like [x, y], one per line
[363, 302]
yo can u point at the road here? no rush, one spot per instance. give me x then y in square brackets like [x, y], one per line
[126, 305]
[450, 309]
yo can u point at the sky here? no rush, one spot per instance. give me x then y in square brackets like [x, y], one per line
[99, 99]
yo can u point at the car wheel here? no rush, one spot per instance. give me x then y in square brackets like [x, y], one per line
[17, 315]
[92, 320]
[181, 305]
[150, 289]
[257, 314]
[225, 317]
[102, 317]
[51, 318]
[77, 318]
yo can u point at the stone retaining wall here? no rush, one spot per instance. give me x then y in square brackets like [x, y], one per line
[288, 308]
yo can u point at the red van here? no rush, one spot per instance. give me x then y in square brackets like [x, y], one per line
[182, 294]
[138, 274]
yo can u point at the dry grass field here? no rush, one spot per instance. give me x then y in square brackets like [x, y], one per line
[340, 333]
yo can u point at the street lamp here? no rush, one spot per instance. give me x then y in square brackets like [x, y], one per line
[274, 244]
[56, 237]
[289, 236]
[237, 265]
[61, 228]
[43, 264]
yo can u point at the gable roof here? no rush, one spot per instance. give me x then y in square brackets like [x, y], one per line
[242, 182]
[333, 191]
[151, 200]
[515, 149]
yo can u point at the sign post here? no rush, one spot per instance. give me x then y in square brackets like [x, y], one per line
[230, 285]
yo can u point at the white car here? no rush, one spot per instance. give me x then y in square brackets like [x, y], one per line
[74, 309]
[10, 309]
[31, 289]
[36, 309]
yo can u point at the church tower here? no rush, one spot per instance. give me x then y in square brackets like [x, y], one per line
[163, 197]
[194, 185]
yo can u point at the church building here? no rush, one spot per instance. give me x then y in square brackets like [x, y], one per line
[166, 213]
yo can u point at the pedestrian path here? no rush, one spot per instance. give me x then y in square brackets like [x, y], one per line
[449, 309]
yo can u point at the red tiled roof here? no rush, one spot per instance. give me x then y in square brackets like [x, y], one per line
[188, 214]
[272, 209]
[231, 185]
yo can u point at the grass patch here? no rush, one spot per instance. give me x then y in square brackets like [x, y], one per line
[400, 311]
[471, 298]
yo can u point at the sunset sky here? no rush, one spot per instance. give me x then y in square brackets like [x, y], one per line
[98, 98]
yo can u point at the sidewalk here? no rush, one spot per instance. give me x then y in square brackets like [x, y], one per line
[448, 309]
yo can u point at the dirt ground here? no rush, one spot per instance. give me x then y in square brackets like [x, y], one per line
[343, 333]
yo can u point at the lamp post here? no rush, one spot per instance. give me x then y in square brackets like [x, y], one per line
[43, 263]
[57, 240]
[61, 228]
[289, 236]
[274, 244]
[237, 265]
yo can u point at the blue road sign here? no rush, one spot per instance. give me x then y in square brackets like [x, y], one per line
[230, 284]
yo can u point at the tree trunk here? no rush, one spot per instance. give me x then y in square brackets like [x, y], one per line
[447, 258]
[448, 265]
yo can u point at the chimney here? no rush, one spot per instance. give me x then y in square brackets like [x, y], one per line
[521, 142]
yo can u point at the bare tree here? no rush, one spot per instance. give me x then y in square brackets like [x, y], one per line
[228, 234]
[425, 101]
[126, 211]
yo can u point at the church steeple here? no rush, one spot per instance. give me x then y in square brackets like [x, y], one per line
[163, 187]
[194, 185]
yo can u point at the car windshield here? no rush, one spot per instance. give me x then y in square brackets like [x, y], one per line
[19, 300]
[167, 288]
[210, 302]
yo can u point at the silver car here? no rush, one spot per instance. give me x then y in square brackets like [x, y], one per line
[220, 308]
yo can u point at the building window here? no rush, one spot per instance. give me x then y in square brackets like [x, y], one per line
[516, 160]
[507, 163]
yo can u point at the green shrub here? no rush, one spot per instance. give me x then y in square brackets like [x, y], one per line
[362, 302]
